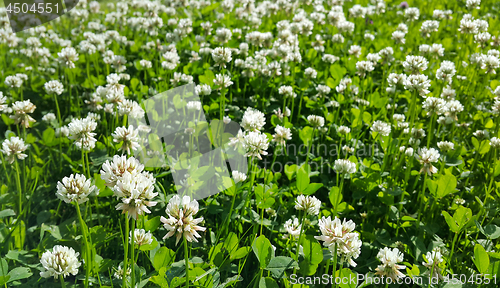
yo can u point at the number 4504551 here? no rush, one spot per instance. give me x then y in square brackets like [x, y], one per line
[473, 279]
[16, 8]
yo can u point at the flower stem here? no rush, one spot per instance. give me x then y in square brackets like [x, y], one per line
[19, 190]
[186, 260]
[125, 256]
[132, 253]
[60, 126]
[63, 285]
[334, 265]
[87, 248]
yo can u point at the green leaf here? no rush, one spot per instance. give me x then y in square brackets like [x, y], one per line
[240, 253]
[445, 184]
[152, 224]
[231, 243]
[461, 218]
[268, 282]
[306, 134]
[279, 264]
[313, 255]
[450, 221]
[263, 250]
[313, 187]
[335, 196]
[350, 278]
[7, 213]
[337, 71]
[48, 136]
[19, 273]
[302, 179]
[290, 171]
[163, 258]
[481, 258]
[492, 231]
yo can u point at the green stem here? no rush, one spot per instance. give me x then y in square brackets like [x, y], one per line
[125, 252]
[19, 190]
[60, 126]
[452, 249]
[186, 260]
[87, 248]
[334, 265]
[309, 146]
[132, 253]
[63, 285]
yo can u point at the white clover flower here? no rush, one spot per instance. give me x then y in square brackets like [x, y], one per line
[141, 237]
[287, 91]
[445, 145]
[13, 148]
[119, 272]
[355, 50]
[419, 83]
[292, 227]
[222, 81]
[344, 166]
[146, 64]
[282, 134]
[415, 64]
[112, 172]
[49, 118]
[428, 27]
[316, 121]
[253, 120]
[396, 79]
[409, 152]
[310, 73]
[426, 157]
[310, 204]
[434, 105]
[21, 110]
[75, 188]
[473, 4]
[390, 267]
[495, 142]
[54, 87]
[412, 14]
[3, 100]
[453, 108]
[364, 67]
[398, 37]
[135, 191]
[446, 71]
[381, 127]
[238, 176]
[340, 233]
[61, 260]
[221, 56]
[203, 89]
[193, 105]
[432, 261]
[343, 130]
[68, 56]
[13, 81]
[181, 221]
[128, 136]
[131, 108]
[256, 144]
[81, 131]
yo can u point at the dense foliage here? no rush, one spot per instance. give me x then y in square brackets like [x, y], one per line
[371, 130]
